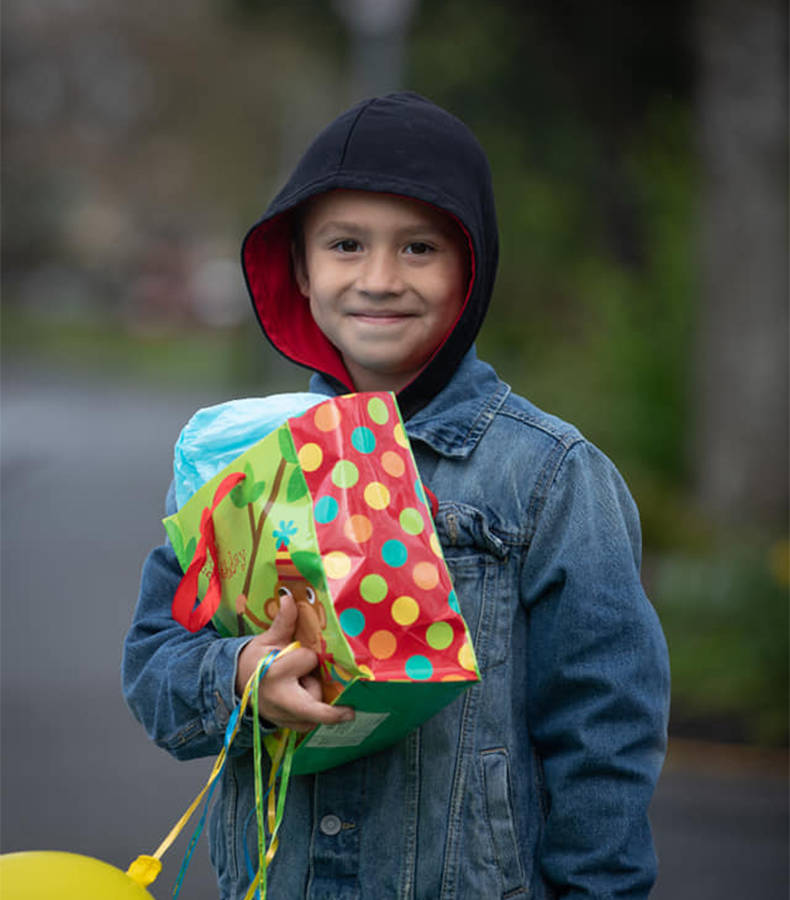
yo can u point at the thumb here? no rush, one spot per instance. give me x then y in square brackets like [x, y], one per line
[282, 629]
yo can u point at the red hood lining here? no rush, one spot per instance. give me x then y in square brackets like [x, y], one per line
[284, 314]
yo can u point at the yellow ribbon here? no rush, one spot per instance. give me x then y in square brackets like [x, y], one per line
[145, 869]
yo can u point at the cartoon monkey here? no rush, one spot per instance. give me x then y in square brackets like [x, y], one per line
[310, 620]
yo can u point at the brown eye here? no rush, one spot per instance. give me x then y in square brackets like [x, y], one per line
[284, 592]
[310, 594]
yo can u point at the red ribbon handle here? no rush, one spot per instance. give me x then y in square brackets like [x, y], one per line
[184, 600]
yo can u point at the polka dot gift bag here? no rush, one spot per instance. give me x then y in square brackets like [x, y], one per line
[330, 509]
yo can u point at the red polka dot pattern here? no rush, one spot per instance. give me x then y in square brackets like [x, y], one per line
[389, 586]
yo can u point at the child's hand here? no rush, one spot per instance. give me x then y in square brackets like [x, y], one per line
[289, 694]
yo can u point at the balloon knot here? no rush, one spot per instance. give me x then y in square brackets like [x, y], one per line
[144, 870]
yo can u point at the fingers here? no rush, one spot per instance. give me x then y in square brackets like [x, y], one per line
[281, 631]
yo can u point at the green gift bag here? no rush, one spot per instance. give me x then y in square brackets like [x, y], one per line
[330, 509]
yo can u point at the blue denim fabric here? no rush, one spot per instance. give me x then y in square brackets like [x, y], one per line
[536, 782]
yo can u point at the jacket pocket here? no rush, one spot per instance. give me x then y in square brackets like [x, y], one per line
[499, 815]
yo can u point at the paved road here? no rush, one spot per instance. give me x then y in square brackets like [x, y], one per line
[84, 469]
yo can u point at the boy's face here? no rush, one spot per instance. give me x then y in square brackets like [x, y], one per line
[386, 278]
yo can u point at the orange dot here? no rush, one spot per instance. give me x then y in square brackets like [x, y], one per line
[327, 417]
[382, 644]
[393, 464]
[358, 529]
[425, 575]
[454, 678]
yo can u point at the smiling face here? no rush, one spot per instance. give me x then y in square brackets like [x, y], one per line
[386, 278]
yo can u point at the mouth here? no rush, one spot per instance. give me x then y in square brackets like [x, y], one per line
[380, 316]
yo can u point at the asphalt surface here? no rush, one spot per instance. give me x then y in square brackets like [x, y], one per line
[84, 468]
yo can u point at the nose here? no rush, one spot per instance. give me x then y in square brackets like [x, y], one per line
[380, 275]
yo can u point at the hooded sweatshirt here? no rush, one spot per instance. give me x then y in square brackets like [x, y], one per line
[398, 144]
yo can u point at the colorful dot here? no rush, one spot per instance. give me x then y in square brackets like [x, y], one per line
[373, 588]
[325, 509]
[310, 457]
[405, 610]
[358, 529]
[345, 474]
[466, 656]
[400, 435]
[435, 545]
[382, 644]
[367, 672]
[327, 417]
[439, 635]
[393, 464]
[452, 602]
[395, 554]
[377, 410]
[418, 490]
[425, 575]
[376, 495]
[419, 667]
[337, 564]
[411, 521]
[352, 621]
[363, 439]
[455, 677]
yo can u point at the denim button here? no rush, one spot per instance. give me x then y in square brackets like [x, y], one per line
[330, 825]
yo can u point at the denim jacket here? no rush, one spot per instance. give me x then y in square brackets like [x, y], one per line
[534, 783]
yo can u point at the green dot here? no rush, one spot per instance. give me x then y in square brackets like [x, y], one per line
[373, 588]
[377, 410]
[345, 474]
[439, 635]
[411, 521]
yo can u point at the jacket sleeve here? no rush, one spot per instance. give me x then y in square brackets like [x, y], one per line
[598, 673]
[179, 685]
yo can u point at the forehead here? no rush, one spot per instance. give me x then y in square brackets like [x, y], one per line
[371, 209]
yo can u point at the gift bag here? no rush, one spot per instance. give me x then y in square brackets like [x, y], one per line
[329, 509]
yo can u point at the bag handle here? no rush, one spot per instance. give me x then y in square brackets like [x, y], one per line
[183, 602]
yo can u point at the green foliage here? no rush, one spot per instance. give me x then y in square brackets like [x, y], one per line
[725, 615]
[287, 447]
[247, 491]
[297, 486]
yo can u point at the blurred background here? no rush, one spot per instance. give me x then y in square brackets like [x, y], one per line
[640, 160]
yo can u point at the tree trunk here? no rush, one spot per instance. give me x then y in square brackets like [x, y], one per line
[741, 443]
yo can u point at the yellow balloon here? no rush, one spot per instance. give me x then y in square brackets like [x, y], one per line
[50, 875]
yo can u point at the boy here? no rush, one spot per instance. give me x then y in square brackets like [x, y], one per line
[374, 267]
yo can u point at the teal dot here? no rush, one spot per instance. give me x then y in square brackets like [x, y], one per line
[452, 602]
[352, 621]
[419, 668]
[363, 439]
[394, 554]
[325, 509]
[420, 492]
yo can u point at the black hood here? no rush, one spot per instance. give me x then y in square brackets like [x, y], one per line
[399, 144]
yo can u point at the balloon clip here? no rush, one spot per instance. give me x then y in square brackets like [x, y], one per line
[144, 869]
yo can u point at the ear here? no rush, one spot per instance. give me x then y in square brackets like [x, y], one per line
[271, 608]
[300, 269]
[321, 615]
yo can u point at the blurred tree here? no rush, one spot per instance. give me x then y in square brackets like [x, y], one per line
[741, 449]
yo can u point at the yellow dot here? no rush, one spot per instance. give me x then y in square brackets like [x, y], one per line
[393, 464]
[377, 496]
[425, 575]
[400, 435]
[310, 457]
[405, 610]
[382, 644]
[337, 564]
[327, 416]
[366, 672]
[435, 545]
[358, 529]
[466, 656]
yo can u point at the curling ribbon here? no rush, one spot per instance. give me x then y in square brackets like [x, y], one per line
[144, 869]
[184, 599]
